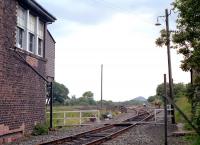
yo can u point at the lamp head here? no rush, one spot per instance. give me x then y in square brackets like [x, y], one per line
[157, 24]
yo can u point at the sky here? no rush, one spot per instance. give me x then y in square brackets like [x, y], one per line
[120, 34]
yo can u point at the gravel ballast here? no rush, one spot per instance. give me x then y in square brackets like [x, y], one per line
[149, 134]
[33, 140]
[146, 134]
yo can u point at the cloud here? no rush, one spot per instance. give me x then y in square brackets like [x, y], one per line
[117, 33]
[94, 11]
[125, 45]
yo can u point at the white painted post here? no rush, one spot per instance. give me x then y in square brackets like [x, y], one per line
[80, 117]
[64, 118]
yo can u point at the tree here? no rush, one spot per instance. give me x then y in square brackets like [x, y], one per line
[187, 38]
[88, 94]
[162, 39]
[151, 99]
[87, 98]
[160, 90]
[60, 93]
[187, 42]
[179, 90]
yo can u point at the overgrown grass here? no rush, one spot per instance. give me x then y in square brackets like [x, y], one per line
[40, 129]
[76, 115]
[185, 106]
[193, 139]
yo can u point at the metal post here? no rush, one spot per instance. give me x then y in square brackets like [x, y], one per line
[169, 64]
[51, 105]
[101, 85]
[165, 108]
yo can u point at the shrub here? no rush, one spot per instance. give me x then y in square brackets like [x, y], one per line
[40, 129]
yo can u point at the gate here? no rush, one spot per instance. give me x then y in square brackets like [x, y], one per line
[70, 118]
[159, 113]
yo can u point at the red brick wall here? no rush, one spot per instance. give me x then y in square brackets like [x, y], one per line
[22, 92]
[50, 55]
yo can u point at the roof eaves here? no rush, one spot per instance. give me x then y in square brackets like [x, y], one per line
[39, 9]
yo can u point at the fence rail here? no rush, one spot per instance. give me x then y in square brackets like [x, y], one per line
[158, 115]
[80, 117]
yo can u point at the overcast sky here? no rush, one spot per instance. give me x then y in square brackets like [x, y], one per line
[117, 33]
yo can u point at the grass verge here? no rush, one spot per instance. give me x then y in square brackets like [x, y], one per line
[193, 139]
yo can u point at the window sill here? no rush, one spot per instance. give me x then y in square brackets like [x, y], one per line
[30, 54]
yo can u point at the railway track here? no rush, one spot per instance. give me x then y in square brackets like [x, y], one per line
[102, 134]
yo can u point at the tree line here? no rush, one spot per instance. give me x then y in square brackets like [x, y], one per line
[61, 96]
[180, 90]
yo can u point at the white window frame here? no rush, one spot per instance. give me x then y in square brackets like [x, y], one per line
[22, 27]
[42, 46]
[33, 33]
[41, 37]
[33, 43]
[36, 33]
[19, 29]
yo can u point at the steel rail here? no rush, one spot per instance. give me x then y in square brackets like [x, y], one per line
[72, 137]
[103, 137]
[113, 135]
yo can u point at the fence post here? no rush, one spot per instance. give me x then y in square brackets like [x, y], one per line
[64, 118]
[80, 117]
[98, 116]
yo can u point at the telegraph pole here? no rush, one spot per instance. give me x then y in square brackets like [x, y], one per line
[101, 85]
[169, 64]
[165, 109]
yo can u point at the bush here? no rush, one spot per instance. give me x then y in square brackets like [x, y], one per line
[197, 141]
[40, 129]
[187, 126]
[193, 139]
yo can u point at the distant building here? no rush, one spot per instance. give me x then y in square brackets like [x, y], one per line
[24, 36]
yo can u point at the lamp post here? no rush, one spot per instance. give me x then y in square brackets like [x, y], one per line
[169, 59]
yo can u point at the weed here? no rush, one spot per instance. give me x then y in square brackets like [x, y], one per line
[40, 129]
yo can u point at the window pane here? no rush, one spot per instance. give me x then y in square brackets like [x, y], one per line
[31, 42]
[32, 23]
[21, 17]
[41, 29]
[40, 47]
[20, 35]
